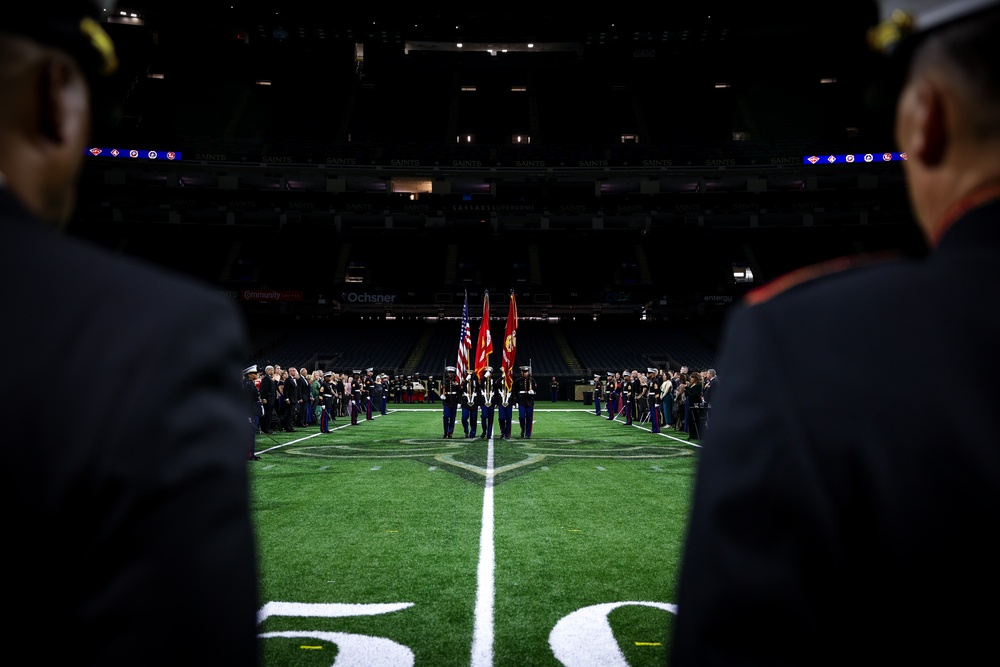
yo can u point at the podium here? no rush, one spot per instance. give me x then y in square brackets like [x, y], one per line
[699, 421]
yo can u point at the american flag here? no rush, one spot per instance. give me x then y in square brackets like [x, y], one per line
[464, 342]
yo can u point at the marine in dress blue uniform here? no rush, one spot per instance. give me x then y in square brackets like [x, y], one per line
[470, 404]
[326, 414]
[450, 389]
[147, 487]
[490, 400]
[611, 395]
[628, 398]
[525, 388]
[653, 398]
[368, 394]
[254, 406]
[357, 394]
[830, 522]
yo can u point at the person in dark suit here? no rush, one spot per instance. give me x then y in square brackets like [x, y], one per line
[710, 384]
[268, 399]
[830, 525]
[305, 416]
[290, 386]
[145, 489]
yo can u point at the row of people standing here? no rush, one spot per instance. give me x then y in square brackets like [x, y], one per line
[297, 398]
[665, 399]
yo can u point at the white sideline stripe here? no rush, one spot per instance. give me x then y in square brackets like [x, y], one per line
[663, 434]
[304, 438]
[482, 638]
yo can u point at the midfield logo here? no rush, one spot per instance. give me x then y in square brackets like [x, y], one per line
[467, 457]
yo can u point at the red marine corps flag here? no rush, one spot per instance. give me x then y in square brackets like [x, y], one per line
[510, 344]
[484, 345]
[464, 343]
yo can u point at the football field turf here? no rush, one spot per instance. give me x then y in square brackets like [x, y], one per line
[384, 544]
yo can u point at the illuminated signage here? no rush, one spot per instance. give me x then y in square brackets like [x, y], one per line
[134, 154]
[853, 158]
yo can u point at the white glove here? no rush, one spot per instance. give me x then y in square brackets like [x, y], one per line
[531, 391]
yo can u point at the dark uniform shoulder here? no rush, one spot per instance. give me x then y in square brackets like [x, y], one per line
[811, 273]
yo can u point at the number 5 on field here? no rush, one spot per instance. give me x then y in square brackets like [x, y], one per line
[351, 649]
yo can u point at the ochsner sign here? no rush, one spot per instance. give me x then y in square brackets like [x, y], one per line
[368, 297]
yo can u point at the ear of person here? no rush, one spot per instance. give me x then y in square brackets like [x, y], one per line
[929, 138]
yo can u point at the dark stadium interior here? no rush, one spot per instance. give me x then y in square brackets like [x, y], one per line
[616, 175]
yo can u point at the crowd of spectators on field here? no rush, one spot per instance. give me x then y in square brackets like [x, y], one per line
[294, 398]
[673, 394]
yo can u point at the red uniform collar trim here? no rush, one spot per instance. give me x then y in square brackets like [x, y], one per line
[962, 206]
[799, 276]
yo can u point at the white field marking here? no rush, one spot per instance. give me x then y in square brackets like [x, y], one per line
[298, 440]
[666, 435]
[658, 469]
[376, 468]
[432, 468]
[269, 467]
[327, 609]
[352, 649]
[617, 458]
[553, 450]
[356, 649]
[601, 468]
[544, 468]
[482, 637]
[585, 637]
[490, 472]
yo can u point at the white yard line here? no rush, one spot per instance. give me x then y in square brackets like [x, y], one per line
[482, 639]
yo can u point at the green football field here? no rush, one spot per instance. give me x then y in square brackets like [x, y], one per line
[384, 544]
